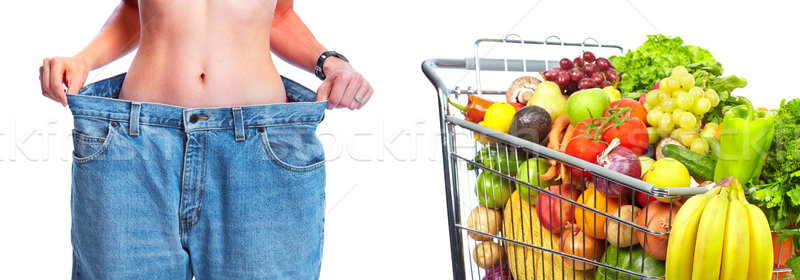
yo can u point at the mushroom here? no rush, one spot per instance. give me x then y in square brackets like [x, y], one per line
[522, 89]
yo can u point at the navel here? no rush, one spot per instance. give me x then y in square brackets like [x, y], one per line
[202, 77]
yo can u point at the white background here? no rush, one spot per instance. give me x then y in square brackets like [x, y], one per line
[386, 205]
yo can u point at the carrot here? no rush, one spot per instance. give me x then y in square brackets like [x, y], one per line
[556, 138]
[567, 137]
[558, 126]
[549, 174]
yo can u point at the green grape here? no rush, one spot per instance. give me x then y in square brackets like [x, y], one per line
[662, 132]
[695, 90]
[662, 84]
[665, 123]
[653, 116]
[686, 120]
[651, 97]
[712, 96]
[676, 133]
[699, 119]
[711, 126]
[699, 145]
[708, 133]
[701, 106]
[687, 138]
[652, 134]
[676, 114]
[668, 105]
[687, 81]
[684, 100]
[673, 84]
[663, 95]
[679, 70]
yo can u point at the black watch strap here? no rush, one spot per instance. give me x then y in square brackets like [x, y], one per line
[321, 61]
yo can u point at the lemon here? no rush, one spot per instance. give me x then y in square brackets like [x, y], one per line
[499, 117]
[668, 173]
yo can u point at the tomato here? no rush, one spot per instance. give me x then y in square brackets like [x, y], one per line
[583, 126]
[632, 134]
[583, 147]
[636, 109]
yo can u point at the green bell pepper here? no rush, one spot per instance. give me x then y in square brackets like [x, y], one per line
[745, 140]
[499, 160]
[493, 190]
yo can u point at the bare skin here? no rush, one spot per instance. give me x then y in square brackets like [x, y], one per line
[205, 54]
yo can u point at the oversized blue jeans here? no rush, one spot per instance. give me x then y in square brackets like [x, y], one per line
[168, 192]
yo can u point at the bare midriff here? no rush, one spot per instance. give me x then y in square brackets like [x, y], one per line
[204, 53]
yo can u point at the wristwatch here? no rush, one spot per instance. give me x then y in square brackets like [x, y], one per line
[321, 61]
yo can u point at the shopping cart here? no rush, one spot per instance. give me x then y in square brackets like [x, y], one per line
[479, 166]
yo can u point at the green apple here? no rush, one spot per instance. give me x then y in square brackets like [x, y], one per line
[548, 96]
[586, 103]
[529, 172]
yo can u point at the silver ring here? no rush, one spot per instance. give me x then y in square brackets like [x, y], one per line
[357, 99]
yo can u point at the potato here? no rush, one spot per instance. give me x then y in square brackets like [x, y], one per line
[488, 254]
[484, 220]
[621, 235]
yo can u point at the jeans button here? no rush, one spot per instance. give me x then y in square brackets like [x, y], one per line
[114, 123]
[260, 129]
[193, 118]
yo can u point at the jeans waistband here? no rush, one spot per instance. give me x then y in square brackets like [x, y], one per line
[100, 100]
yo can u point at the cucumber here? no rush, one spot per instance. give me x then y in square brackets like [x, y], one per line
[698, 165]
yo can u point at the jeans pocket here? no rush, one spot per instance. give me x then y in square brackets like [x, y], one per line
[294, 147]
[91, 138]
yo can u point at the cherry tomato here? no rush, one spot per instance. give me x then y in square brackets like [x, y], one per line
[632, 134]
[637, 109]
[584, 148]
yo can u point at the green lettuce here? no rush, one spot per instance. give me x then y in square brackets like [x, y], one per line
[654, 60]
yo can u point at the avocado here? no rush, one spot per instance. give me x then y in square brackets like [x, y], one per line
[531, 123]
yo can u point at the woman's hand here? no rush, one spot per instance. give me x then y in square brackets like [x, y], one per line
[343, 86]
[56, 72]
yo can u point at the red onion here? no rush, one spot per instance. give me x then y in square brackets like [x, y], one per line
[497, 273]
[622, 160]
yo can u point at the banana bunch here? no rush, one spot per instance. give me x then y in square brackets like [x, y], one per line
[719, 235]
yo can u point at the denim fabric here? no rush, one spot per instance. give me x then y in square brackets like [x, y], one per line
[167, 192]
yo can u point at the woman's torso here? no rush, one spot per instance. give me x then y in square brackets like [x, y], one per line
[204, 53]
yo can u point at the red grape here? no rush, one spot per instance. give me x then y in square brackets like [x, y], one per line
[557, 69]
[572, 87]
[578, 62]
[603, 64]
[566, 64]
[550, 75]
[562, 78]
[575, 74]
[612, 74]
[588, 57]
[597, 77]
[605, 84]
[586, 83]
[590, 68]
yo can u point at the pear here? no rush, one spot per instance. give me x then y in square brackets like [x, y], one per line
[548, 96]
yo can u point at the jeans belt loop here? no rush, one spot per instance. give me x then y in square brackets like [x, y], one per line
[238, 124]
[134, 118]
